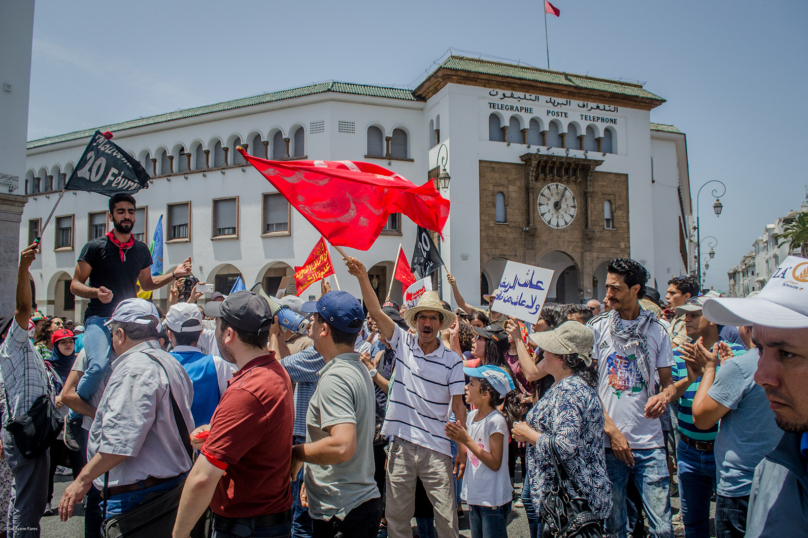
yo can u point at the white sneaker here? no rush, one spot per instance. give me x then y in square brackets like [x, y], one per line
[63, 471]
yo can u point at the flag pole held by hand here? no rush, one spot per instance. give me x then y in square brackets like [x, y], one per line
[395, 266]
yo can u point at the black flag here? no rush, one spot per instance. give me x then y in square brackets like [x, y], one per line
[425, 259]
[107, 169]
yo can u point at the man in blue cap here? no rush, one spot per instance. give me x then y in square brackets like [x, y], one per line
[339, 483]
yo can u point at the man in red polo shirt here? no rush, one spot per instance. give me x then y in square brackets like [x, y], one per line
[243, 473]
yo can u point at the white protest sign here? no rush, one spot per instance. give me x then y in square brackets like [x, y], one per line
[415, 291]
[522, 291]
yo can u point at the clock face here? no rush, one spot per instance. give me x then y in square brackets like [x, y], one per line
[557, 205]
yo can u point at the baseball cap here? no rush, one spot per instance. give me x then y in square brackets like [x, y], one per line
[184, 318]
[492, 332]
[393, 314]
[569, 337]
[130, 310]
[293, 303]
[392, 304]
[783, 301]
[61, 334]
[692, 305]
[37, 315]
[216, 295]
[78, 329]
[339, 309]
[495, 375]
[244, 310]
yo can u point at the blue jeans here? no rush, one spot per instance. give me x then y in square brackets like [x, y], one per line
[530, 510]
[730, 516]
[426, 527]
[489, 522]
[697, 477]
[458, 483]
[126, 502]
[276, 531]
[98, 344]
[650, 474]
[301, 521]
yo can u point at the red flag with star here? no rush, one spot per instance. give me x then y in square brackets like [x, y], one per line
[551, 9]
[349, 202]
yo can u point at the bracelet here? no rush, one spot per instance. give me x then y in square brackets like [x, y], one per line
[172, 274]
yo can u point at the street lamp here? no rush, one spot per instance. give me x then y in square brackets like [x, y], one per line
[711, 242]
[443, 175]
[712, 254]
[717, 207]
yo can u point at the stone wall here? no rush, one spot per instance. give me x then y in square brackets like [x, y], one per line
[526, 238]
[11, 207]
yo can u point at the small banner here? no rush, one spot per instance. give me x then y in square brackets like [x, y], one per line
[317, 267]
[522, 291]
[425, 258]
[403, 273]
[415, 291]
[107, 169]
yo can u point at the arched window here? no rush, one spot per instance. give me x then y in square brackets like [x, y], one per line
[608, 144]
[436, 137]
[257, 147]
[494, 128]
[183, 165]
[278, 146]
[199, 158]
[590, 144]
[553, 137]
[534, 133]
[56, 184]
[500, 207]
[299, 141]
[571, 140]
[146, 162]
[29, 182]
[237, 158]
[218, 154]
[398, 146]
[165, 164]
[514, 130]
[430, 135]
[375, 142]
[608, 218]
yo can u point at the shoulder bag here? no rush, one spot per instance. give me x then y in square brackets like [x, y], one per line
[35, 431]
[155, 517]
[565, 512]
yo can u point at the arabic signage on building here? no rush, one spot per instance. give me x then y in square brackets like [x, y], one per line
[522, 291]
[556, 108]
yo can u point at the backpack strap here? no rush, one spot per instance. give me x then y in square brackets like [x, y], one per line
[178, 418]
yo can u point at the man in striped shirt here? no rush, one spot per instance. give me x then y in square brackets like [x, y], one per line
[429, 385]
[696, 461]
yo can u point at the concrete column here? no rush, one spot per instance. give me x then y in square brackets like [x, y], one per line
[11, 207]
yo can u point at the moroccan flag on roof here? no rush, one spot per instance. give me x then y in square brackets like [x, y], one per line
[349, 202]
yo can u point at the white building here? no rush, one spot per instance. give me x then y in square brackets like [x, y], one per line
[758, 266]
[510, 132]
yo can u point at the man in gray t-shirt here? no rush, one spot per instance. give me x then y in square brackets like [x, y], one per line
[339, 482]
[746, 433]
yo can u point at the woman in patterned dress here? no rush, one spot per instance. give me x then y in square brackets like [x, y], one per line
[571, 413]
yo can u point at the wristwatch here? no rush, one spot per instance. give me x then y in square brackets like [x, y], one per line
[373, 373]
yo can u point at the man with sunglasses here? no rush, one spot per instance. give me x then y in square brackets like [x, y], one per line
[594, 306]
[695, 458]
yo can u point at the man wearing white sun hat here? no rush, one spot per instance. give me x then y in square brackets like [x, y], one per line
[779, 319]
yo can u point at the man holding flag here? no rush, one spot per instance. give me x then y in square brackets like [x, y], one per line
[113, 263]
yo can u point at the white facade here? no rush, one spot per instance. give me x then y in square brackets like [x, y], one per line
[335, 126]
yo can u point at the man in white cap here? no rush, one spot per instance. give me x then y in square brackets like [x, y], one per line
[136, 438]
[779, 319]
[208, 374]
[429, 385]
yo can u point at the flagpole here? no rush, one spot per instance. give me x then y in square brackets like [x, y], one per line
[336, 281]
[395, 266]
[546, 39]
[51, 213]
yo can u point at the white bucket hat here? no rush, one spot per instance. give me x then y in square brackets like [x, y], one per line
[782, 303]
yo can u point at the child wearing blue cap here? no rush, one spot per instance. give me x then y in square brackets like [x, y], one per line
[486, 485]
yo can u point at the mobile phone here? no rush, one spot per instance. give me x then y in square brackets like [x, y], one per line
[205, 288]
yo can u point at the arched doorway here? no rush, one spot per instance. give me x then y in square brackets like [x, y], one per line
[380, 275]
[224, 278]
[599, 281]
[272, 278]
[564, 287]
[491, 276]
[64, 302]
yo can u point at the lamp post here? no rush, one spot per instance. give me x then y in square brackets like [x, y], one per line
[717, 208]
[712, 242]
[443, 180]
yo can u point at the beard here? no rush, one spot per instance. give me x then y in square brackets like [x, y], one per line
[226, 354]
[123, 227]
[791, 427]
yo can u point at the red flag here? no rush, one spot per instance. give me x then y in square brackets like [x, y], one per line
[349, 202]
[551, 9]
[317, 267]
[403, 271]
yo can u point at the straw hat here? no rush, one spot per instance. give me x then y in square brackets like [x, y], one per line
[430, 301]
[569, 337]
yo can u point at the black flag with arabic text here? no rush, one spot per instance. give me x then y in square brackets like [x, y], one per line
[107, 169]
[425, 259]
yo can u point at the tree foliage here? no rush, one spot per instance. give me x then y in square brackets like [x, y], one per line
[796, 235]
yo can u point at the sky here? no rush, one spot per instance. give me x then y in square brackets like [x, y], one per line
[734, 73]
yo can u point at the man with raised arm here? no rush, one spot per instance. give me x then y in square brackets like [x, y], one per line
[114, 264]
[428, 386]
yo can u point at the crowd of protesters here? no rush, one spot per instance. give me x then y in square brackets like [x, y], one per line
[383, 413]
